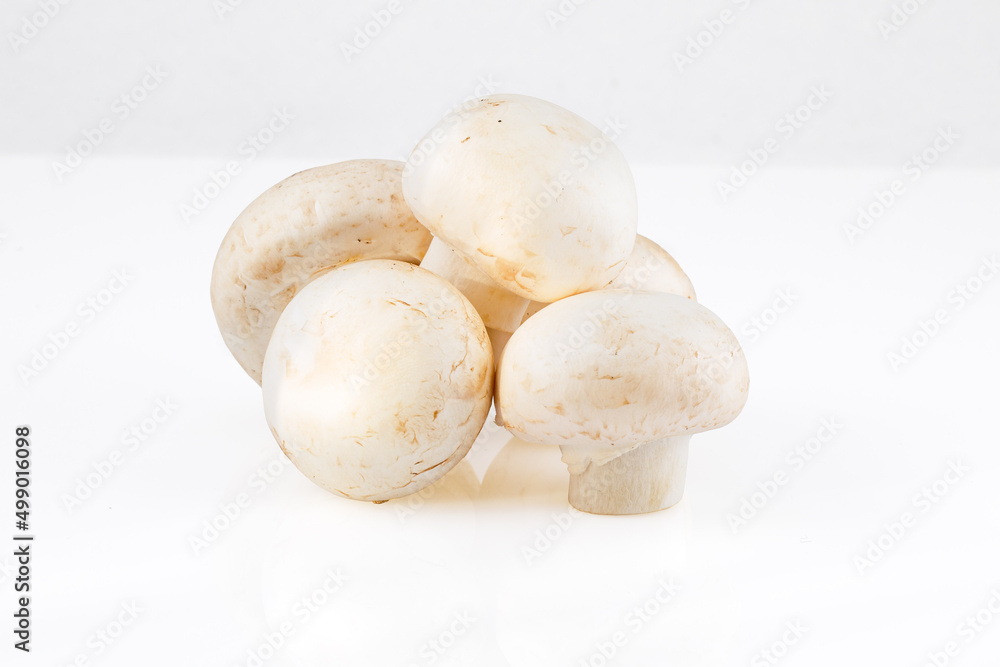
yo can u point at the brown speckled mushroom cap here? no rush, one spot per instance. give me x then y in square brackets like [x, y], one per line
[302, 227]
[537, 197]
[377, 380]
[649, 268]
[607, 371]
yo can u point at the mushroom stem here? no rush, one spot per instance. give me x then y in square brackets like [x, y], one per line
[645, 479]
[501, 309]
[499, 340]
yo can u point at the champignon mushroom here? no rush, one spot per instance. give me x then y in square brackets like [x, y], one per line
[526, 201]
[649, 268]
[377, 379]
[297, 230]
[620, 381]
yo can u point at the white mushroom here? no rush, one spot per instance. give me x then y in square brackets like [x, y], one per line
[649, 268]
[621, 380]
[377, 380]
[302, 227]
[526, 201]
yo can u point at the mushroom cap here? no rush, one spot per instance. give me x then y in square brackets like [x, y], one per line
[620, 368]
[300, 228]
[541, 200]
[377, 380]
[649, 268]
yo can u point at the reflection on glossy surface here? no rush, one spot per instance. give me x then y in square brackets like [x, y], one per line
[537, 565]
[524, 473]
[418, 547]
[459, 484]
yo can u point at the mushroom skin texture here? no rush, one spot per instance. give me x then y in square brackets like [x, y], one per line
[620, 380]
[299, 229]
[534, 196]
[649, 268]
[377, 379]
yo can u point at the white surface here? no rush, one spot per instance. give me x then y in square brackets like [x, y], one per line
[417, 569]
[461, 551]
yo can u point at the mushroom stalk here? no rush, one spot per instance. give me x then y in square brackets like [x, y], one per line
[644, 479]
[498, 339]
[501, 309]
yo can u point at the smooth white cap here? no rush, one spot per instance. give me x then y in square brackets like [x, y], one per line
[377, 380]
[541, 200]
[302, 227]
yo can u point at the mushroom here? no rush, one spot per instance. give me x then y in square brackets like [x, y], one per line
[620, 381]
[526, 201]
[377, 379]
[297, 230]
[649, 268]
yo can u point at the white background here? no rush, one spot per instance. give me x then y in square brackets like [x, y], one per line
[491, 562]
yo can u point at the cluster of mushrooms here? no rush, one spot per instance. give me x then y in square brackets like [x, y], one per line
[384, 307]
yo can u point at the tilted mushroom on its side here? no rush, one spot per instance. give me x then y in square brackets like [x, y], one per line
[621, 380]
[377, 380]
[649, 268]
[526, 201]
[297, 230]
